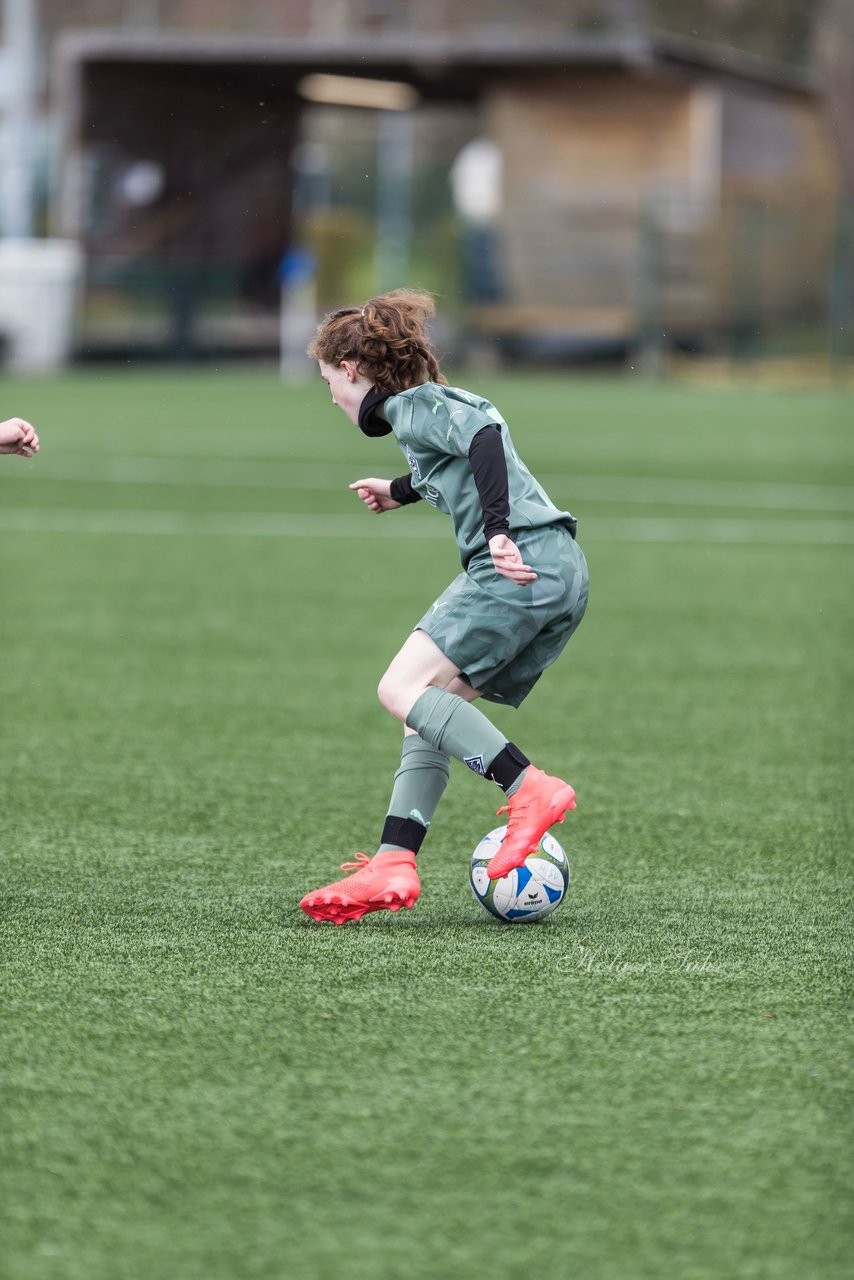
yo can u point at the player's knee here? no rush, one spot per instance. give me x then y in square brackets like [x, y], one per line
[397, 696]
[389, 694]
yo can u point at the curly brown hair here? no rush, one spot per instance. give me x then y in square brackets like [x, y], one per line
[386, 338]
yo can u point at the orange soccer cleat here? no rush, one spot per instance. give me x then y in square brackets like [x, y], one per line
[540, 802]
[385, 882]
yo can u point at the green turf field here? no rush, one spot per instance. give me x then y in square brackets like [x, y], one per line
[199, 1083]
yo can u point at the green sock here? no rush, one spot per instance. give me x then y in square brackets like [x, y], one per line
[419, 785]
[452, 725]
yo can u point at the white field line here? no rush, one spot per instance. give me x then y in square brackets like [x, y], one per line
[573, 489]
[767, 495]
[595, 529]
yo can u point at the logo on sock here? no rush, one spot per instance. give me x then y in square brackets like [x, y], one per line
[475, 763]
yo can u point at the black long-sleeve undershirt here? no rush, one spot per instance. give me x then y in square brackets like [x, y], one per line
[403, 490]
[489, 468]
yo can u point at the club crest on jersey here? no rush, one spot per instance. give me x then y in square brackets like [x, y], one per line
[413, 465]
[475, 763]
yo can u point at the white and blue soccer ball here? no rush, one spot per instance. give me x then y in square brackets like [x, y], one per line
[528, 893]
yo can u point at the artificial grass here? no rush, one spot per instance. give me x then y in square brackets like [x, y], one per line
[200, 1082]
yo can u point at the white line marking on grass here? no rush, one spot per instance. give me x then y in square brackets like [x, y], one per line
[664, 491]
[229, 524]
[193, 473]
[205, 524]
[245, 474]
[784, 533]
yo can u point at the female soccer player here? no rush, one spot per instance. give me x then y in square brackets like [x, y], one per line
[17, 436]
[492, 633]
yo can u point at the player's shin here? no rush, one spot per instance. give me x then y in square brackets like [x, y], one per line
[419, 785]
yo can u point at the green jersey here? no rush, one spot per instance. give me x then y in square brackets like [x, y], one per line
[435, 426]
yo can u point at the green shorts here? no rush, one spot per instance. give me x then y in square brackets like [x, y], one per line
[503, 636]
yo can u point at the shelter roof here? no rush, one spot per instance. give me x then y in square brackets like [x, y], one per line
[439, 66]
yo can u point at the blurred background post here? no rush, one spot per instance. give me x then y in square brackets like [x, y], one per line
[18, 96]
[39, 278]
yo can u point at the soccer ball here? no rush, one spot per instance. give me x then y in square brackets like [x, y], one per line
[530, 892]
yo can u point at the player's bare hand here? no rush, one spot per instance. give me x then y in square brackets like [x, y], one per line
[376, 494]
[507, 560]
[17, 436]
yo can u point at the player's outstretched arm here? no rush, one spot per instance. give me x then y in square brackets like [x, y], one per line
[376, 494]
[18, 436]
